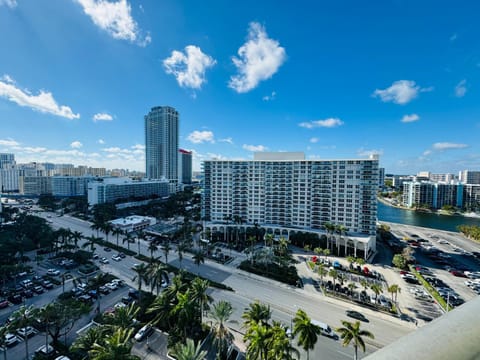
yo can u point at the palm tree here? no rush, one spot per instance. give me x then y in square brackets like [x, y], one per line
[364, 284]
[268, 238]
[107, 228]
[128, 237]
[166, 250]
[256, 313]
[377, 289]
[184, 312]
[252, 240]
[280, 346]
[351, 331]
[198, 258]
[322, 271]
[23, 318]
[199, 289]
[330, 228]
[326, 252]
[181, 248]
[334, 274]
[351, 287]
[351, 260]
[76, 237]
[117, 232]
[141, 277]
[90, 242]
[258, 338]
[394, 289]
[157, 273]
[189, 351]
[283, 247]
[307, 331]
[3, 331]
[116, 347]
[152, 248]
[97, 281]
[97, 226]
[140, 236]
[84, 343]
[122, 317]
[222, 337]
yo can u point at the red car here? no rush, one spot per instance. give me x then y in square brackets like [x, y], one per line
[458, 273]
[3, 304]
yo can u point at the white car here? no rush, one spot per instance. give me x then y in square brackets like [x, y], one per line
[53, 272]
[104, 260]
[116, 257]
[111, 286]
[119, 305]
[143, 332]
[11, 339]
[26, 331]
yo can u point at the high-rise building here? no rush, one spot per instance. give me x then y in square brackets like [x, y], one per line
[469, 177]
[6, 159]
[161, 143]
[184, 166]
[285, 192]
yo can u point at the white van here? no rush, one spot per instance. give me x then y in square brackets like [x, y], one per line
[325, 329]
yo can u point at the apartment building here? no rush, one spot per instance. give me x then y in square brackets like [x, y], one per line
[283, 190]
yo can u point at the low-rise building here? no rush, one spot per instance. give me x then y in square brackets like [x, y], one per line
[133, 223]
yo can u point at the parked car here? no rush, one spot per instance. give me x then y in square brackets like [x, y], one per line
[458, 273]
[38, 289]
[46, 351]
[26, 331]
[11, 339]
[104, 290]
[116, 257]
[107, 249]
[144, 332]
[4, 303]
[27, 293]
[111, 286]
[104, 260]
[15, 299]
[356, 315]
[53, 272]
[47, 284]
[122, 255]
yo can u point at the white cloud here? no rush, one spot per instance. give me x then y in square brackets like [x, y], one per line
[102, 117]
[43, 102]
[8, 142]
[10, 3]
[76, 145]
[400, 92]
[328, 123]
[227, 140]
[314, 140]
[138, 147]
[189, 67]
[254, 148]
[115, 18]
[453, 37]
[440, 146]
[410, 118]
[199, 137]
[367, 153]
[427, 152]
[270, 97]
[259, 59]
[101, 141]
[461, 88]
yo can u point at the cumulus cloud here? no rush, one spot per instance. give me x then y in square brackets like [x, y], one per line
[9, 3]
[8, 142]
[400, 92]
[410, 118]
[461, 88]
[101, 141]
[254, 148]
[328, 123]
[43, 102]
[102, 117]
[441, 146]
[115, 18]
[259, 58]
[314, 140]
[199, 137]
[227, 140]
[189, 67]
[76, 145]
[270, 97]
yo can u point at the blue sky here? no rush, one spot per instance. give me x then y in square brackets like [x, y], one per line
[335, 79]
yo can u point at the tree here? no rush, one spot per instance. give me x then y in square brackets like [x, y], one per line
[222, 337]
[306, 330]
[141, 277]
[326, 252]
[23, 317]
[122, 318]
[152, 248]
[268, 238]
[181, 248]
[157, 273]
[90, 242]
[198, 258]
[394, 289]
[280, 345]
[351, 332]
[330, 229]
[256, 313]
[334, 275]
[258, 338]
[399, 261]
[252, 240]
[107, 228]
[3, 331]
[117, 232]
[322, 271]
[199, 294]
[116, 347]
[351, 260]
[76, 237]
[377, 289]
[364, 284]
[189, 351]
[84, 343]
[166, 250]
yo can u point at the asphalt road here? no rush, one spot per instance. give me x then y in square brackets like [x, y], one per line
[283, 299]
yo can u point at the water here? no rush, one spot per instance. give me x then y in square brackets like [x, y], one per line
[433, 221]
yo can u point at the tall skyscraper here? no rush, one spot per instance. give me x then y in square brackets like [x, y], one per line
[161, 143]
[184, 166]
[6, 160]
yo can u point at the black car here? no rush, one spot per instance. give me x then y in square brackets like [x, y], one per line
[122, 255]
[356, 315]
[27, 293]
[107, 249]
[15, 299]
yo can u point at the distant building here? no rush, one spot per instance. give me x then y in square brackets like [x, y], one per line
[6, 160]
[284, 192]
[80, 171]
[9, 178]
[447, 178]
[161, 143]
[471, 197]
[469, 177]
[432, 194]
[110, 190]
[70, 186]
[35, 185]
[184, 166]
[133, 223]
[381, 177]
